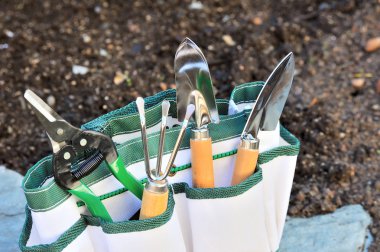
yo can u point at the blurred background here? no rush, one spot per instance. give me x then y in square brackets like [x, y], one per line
[86, 58]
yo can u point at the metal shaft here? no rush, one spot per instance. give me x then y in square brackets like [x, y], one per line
[165, 112]
[140, 108]
[189, 112]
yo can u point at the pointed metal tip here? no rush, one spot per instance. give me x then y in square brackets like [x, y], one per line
[165, 107]
[189, 111]
[289, 57]
[287, 61]
[187, 40]
[140, 107]
[188, 43]
[140, 104]
[29, 95]
[40, 106]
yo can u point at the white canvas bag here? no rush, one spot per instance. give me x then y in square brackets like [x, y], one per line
[249, 216]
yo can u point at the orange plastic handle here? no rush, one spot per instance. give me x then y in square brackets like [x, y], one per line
[245, 164]
[201, 163]
[153, 203]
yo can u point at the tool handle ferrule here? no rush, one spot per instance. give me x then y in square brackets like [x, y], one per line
[249, 142]
[200, 134]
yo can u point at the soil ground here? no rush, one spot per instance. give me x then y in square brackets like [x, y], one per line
[338, 124]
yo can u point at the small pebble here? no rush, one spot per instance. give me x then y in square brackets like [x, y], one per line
[3, 46]
[372, 44]
[376, 107]
[195, 5]
[103, 52]
[378, 86]
[51, 100]
[86, 38]
[163, 86]
[133, 27]
[257, 21]
[97, 9]
[358, 83]
[119, 78]
[313, 102]
[300, 196]
[9, 33]
[82, 70]
[228, 40]
[377, 186]
[226, 18]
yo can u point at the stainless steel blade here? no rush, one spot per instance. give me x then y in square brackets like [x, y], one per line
[41, 107]
[279, 95]
[275, 91]
[194, 85]
[57, 128]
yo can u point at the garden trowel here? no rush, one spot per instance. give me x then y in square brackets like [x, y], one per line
[194, 86]
[264, 116]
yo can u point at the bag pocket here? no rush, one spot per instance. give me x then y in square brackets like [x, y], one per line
[278, 165]
[51, 211]
[161, 233]
[228, 218]
[75, 238]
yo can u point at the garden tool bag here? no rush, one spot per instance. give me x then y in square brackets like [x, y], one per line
[249, 216]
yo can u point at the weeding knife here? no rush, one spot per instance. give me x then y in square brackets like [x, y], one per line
[194, 86]
[264, 116]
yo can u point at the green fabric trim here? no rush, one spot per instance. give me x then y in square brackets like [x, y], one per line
[289, 150]
[247, 93]
[65, 239]
[126, 119]
[220, 192]
[140, 225]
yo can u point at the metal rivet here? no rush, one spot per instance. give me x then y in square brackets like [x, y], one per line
[60, 131]
[83, 142]
[67, 155]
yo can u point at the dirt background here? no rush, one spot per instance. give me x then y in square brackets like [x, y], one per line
[128, 48]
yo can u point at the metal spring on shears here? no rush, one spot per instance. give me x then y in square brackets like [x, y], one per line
[88, 165]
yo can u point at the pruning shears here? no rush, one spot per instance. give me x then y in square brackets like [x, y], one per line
[76, 153]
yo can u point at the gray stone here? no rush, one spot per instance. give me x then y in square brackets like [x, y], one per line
[344, 230]
[12, 209]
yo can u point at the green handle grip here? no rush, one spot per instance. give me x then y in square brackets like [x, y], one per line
[93, 203]
[126, 178]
